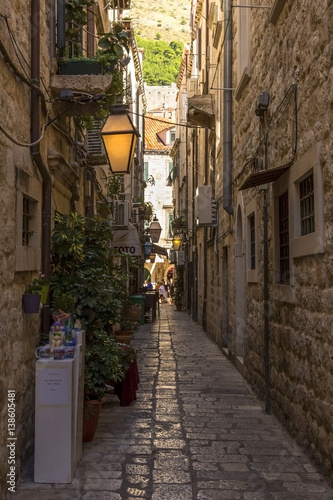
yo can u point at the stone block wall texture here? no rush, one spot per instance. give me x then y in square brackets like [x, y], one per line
[297, 50]
[18, 332]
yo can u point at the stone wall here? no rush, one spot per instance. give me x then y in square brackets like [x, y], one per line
[291, 60]
[18, 332]
[294, 51]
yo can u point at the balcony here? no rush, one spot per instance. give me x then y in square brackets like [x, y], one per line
[120, 4]
[79, 87]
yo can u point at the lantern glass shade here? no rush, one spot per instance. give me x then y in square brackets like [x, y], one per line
[119, 137]
[176, 242]
[155, 231]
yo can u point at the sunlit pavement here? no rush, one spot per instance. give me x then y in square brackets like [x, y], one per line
[196, 431]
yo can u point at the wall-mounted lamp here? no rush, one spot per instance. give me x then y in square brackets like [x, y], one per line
[262, 104]
[176, 241]
[148, 246]
[119, 137]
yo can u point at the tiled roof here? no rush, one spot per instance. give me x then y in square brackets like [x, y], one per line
[153, 126]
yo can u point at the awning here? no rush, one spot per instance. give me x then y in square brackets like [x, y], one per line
[159, 250]
[127, 241]
[265, 176]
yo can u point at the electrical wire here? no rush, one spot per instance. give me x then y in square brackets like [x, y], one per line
[18, 52]
[23, 144]
[168, 123]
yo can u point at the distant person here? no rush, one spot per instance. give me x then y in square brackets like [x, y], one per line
[162, 293]
[150, 285]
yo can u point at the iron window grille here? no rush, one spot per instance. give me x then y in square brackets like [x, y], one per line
[26, 221]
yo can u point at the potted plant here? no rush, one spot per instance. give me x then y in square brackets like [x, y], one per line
[178, 294]
[31, 298]
[124, 329]
[104, 361]
[112, 48]
[80, 66]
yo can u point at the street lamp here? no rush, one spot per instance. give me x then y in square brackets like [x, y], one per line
[119, 137]
[176, 241]
[155, 230]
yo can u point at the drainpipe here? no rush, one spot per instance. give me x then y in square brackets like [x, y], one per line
[36, 155]
[227, 110]
[266, 292]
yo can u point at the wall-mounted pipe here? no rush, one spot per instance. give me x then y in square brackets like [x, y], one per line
[227, 110]
[36, 155]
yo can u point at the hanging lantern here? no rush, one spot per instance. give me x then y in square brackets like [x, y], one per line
[155, 230]
[119, 137]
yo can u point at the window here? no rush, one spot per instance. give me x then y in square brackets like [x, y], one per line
[28, 222]
[145, 171]
[306, 186]
[170, 219]
[252, 234]
[298, 218]
[306, 194]
[284, 239]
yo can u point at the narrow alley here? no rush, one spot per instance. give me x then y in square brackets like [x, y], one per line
[195, 432]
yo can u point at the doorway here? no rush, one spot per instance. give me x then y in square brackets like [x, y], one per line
[240, 290]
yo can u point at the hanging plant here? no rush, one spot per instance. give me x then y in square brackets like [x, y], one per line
[113, 46]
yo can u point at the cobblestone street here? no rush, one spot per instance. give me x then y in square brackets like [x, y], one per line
[195, 432]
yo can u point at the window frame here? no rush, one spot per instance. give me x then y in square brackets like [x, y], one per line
[28, 257]
[251, 209]
[306, 245]
[312, 243]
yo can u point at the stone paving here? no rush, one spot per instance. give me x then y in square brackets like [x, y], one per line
[196, 432]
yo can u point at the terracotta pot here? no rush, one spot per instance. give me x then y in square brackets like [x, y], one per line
[91, 413]
[124, 336]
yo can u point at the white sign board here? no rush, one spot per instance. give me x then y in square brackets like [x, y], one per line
[53, 386]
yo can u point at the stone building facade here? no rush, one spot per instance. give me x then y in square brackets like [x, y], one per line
[257, 101]
[158, 165]
[44, 167]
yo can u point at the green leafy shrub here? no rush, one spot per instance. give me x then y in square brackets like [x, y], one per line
[161, 61]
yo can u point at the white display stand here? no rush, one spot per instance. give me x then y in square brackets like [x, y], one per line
[58, 417]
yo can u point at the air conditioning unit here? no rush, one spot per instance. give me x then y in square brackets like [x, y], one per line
[205, 207]
[135, 215]
[180, 258]
[121, 213]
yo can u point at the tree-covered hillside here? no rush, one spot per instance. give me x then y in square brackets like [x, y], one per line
[161, 61]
